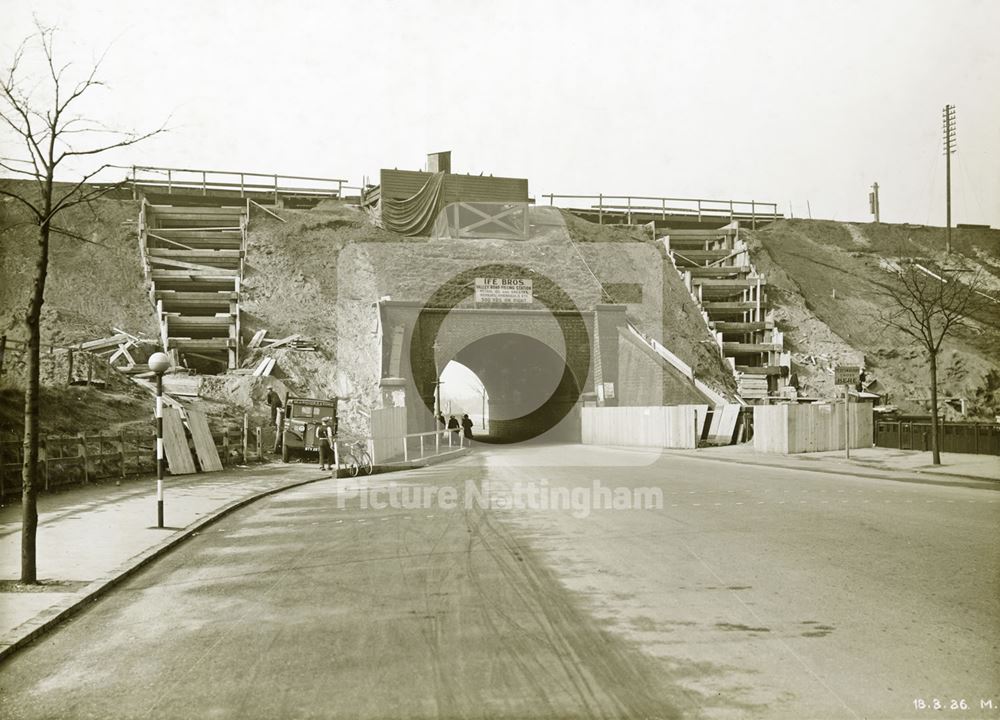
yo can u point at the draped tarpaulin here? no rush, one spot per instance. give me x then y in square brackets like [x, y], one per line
[415, 215]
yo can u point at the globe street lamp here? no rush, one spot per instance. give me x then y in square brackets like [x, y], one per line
[159, 363]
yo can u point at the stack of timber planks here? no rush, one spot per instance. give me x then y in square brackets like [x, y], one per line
[716, 268]
[193, 260]
[177, 449]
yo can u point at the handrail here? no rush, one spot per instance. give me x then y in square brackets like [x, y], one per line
[155, 168]
[658, 198]
[679, 365]
[702, 206]
[277, 184]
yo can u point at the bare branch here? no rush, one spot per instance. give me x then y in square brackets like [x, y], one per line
[10, 168]
[130, 140]
[72, 198]
[26, 132]
[76, 236]
[24, 201]
[95, 193]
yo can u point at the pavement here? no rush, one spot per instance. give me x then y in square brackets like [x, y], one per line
[118, 521]
[91, 537]
[885, 463]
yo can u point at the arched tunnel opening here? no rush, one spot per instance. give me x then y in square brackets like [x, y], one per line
[530, 390]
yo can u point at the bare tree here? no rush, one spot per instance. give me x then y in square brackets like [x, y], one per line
[929, 306]
[40, 110]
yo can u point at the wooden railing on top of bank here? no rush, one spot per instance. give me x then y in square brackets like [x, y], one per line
[650, 205]
[239, 182]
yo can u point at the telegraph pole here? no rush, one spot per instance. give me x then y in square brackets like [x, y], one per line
[873, 202]
[948, 121]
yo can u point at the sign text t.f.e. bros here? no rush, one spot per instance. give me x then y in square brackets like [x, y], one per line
[504, 290]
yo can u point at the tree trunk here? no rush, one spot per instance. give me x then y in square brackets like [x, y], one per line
[29, 470]
[935, 433]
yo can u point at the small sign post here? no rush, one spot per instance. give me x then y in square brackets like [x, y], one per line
[846, 375]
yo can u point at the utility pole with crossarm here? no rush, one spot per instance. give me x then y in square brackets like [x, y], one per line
[948, 121]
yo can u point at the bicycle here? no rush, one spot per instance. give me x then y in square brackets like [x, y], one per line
[354, 457]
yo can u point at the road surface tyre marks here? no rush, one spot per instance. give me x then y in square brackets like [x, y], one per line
[436, 608]
[610, 679]
[531, 668]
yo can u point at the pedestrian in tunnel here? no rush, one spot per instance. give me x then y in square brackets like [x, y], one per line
[442, 424]
[467, 427]
[453, 426]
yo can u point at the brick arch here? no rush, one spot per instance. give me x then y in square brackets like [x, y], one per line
[575, 347]
[531, 386]
[459, 330]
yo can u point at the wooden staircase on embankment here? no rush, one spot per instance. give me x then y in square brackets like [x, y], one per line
[716, 268]
[193, 263]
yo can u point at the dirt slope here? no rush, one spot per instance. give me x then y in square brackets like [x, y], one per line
[91, 286]
[821, 277]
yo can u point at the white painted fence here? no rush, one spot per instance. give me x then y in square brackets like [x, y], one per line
[673, 426]
[388, 429]
[791, 429]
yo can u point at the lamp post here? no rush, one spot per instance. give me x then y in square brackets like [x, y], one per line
[159, 363]
[437, 383]
[482, 393]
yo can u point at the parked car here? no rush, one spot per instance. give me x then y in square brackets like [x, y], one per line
[298, 424]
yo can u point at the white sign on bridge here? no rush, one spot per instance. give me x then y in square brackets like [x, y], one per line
[504, 290]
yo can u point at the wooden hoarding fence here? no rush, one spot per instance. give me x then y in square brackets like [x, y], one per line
[91, 457]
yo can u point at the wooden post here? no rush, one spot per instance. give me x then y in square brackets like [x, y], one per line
[90, 369]
[260, 450]
[44, 446]
[225, 444]
[121, 440]
[336, 458]
[3, 351]
[246, 426]
[86, 458]
[69, 368]
[600, 209]
[847, 421]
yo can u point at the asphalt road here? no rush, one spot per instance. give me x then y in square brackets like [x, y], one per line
[752, 592]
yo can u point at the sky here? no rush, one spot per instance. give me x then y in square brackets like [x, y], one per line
[798, 102]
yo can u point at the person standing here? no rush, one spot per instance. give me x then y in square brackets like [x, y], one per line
[274, 403]
[442, 424]
[453, 426]
[324, 436]
[467, 427]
